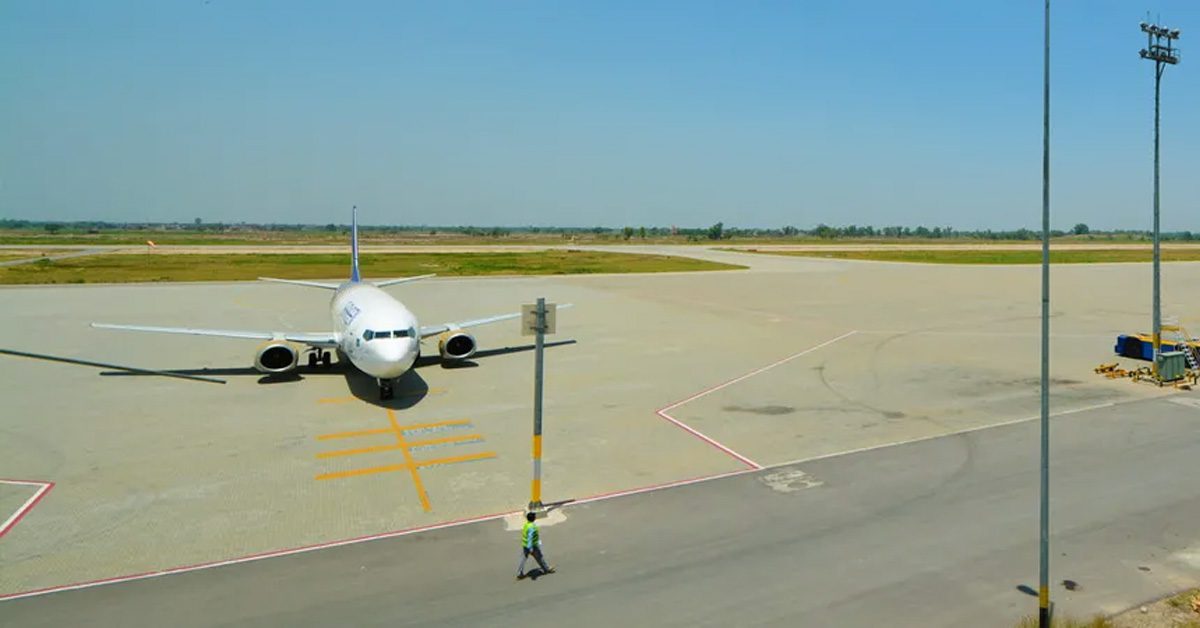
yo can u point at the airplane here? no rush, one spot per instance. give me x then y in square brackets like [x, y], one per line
[373, 330]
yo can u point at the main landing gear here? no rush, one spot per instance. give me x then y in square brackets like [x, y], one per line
[319, 356]
[386, 389]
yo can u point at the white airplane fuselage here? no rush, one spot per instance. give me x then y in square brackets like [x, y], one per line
[375, 331]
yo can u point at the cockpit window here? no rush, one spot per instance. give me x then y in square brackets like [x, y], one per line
[399, 333]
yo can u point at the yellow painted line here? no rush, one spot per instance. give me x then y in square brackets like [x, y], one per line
[469, 438]
[403, 467]
[362, 450]
[412, 467]
[347, 399]
[384, 430]
[425, 426]
[466, 458]
[367, 471]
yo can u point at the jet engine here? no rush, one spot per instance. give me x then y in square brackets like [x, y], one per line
[276, 357]
[456, 345]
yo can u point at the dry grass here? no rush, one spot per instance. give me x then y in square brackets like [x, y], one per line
[1098, 621]
[235, 267]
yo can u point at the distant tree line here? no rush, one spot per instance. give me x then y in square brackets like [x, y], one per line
[715, 232]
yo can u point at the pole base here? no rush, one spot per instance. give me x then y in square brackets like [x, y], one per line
[535, 507]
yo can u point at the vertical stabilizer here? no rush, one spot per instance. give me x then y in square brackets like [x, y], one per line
[354, 275]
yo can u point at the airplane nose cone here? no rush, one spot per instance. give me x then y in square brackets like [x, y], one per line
[392, 359]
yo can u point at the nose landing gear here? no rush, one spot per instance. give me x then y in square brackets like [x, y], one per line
[386, 389]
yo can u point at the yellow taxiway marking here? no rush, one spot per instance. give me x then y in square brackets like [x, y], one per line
[469, 438]
[361, 450]
[405, 466]
[412, 467]
[405, 447]
[451, 460]
[426, 426]
[383, 430]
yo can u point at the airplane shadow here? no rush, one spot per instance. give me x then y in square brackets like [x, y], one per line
[411, 388]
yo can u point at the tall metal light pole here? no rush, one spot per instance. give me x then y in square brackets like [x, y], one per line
[1044, 540]
[1162, 56]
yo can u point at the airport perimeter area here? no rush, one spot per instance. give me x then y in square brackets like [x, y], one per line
[669, 378]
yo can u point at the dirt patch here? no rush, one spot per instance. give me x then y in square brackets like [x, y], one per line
[1181, 610]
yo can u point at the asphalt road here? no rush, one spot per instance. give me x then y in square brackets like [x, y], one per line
[935, 533]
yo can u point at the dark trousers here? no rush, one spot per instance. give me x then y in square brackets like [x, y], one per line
[537, 555]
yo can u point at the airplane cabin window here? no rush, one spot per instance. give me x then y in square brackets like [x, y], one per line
[383, 334]
[401, 333]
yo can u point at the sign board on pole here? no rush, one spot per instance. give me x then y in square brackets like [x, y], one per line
[529, 319]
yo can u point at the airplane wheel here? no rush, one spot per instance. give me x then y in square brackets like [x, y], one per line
[386, 391]
[326, 359]
[312, 360]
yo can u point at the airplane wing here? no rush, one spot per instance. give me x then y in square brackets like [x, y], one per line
[392, 282]
[433, 330]
[301, 282]
[321, 339]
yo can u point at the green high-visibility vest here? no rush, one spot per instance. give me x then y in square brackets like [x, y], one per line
[529, 535]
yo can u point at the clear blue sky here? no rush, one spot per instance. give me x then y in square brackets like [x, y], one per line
[590, 113]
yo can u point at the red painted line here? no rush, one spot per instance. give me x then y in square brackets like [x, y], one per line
[740, 458]
[28, 505]
[656, 487]
[708, 391]
[350, 541]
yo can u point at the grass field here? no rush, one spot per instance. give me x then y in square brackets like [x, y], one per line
[985, 256]
[234, 267]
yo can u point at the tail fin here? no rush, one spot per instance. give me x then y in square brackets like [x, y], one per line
[354, 274]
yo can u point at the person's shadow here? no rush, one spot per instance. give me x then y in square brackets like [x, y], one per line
[537, 572]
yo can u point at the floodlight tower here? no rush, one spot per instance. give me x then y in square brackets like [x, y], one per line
[1162, 55]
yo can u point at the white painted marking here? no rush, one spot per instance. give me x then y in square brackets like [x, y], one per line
[789, 480]
[515, 521]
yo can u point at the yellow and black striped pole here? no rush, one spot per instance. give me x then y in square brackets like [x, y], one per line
[535, 500]
[1044, 497]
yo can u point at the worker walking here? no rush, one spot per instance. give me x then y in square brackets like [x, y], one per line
[531, 543]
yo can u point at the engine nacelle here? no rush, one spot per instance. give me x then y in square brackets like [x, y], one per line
[276, 357]
[456, 345]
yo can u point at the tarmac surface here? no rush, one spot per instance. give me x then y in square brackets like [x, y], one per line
[670, 377]
[941, 532]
